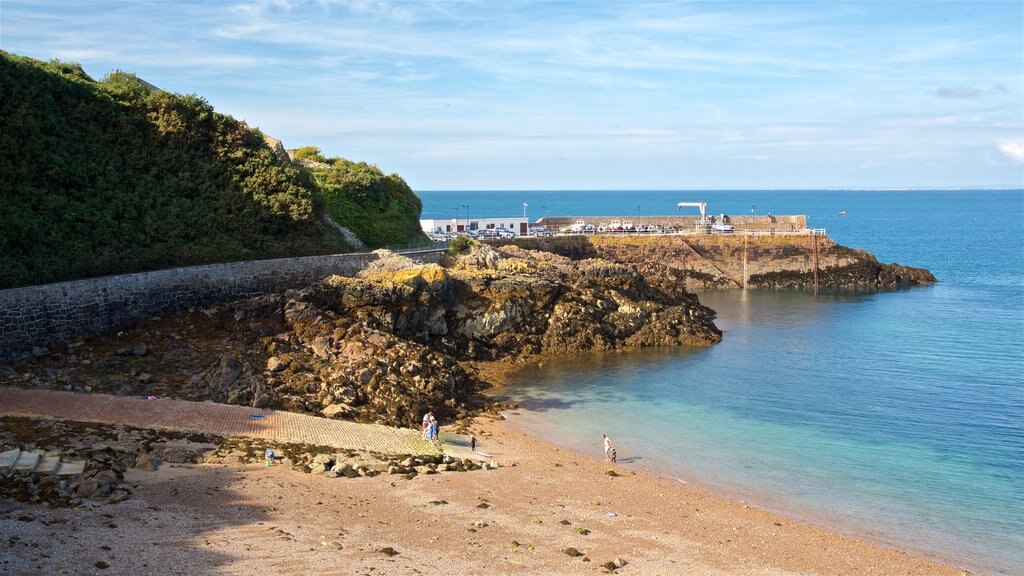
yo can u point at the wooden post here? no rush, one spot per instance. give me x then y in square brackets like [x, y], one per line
[815, 240]
[745, 236]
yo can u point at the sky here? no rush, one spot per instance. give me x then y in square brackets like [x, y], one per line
[521, 95]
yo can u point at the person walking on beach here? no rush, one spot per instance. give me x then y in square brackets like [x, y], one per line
[472, 443]
[426, 426]
[607, 448]
[433, 429]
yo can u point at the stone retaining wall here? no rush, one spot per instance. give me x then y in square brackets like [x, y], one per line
[51, 314]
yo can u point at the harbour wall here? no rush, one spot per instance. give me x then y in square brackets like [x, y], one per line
[682, 222]
[38, 317]
[725, 261]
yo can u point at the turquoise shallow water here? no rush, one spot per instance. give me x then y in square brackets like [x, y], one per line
[895, 415]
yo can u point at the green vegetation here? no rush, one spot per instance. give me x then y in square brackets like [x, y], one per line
[379, 209]
[116, 176]
[460, 244]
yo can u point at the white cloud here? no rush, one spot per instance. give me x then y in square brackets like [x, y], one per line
[1013, 150]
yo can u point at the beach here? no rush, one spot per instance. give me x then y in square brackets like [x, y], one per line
[522, 518]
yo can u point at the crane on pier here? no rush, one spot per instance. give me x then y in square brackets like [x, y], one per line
[704, 224]
[702, 205]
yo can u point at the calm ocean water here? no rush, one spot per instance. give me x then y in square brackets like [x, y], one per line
[898, 416]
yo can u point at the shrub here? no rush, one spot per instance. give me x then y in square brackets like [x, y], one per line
[460, 244]
[115, 176]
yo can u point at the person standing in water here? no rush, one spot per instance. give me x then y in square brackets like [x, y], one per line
[607, 448]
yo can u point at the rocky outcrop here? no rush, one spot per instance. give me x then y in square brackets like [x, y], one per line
[858, 270]
[395, 342]
[387, 346]
[491, 305]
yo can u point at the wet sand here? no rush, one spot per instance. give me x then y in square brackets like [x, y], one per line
[518, 519]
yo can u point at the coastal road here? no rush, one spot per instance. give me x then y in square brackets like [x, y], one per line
[211, 418]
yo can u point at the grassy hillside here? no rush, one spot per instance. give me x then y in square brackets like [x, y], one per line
[379, 208]
[112, 176]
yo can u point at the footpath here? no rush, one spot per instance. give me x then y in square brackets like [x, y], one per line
[207, 417]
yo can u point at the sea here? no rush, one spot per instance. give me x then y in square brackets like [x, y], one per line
[896, 416]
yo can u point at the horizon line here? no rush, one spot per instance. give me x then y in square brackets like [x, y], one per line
[847, 189]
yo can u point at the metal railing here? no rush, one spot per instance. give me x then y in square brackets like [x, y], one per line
[418, 247]
[692, 232]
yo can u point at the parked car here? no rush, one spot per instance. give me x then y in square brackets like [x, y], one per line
[505, 233]
[541, 231]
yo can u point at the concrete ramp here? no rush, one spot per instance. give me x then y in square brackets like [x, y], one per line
[26, 462]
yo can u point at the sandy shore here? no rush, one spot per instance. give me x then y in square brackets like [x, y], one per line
[216, 519]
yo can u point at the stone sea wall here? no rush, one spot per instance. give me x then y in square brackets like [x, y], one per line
[683, 222]
[47, 315]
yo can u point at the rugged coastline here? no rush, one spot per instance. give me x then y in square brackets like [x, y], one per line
[398, 339]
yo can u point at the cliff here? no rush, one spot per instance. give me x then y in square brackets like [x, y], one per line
[722, 261]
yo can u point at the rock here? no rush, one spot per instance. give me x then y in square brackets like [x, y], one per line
[147, 462]
[388, 551]
[321, 347]
[145, 378]
[261, 401]
[327, 460]
[92, 488]
[570, 551]
[275, 364]
[333, 544]
[620, 562]
[119, 496]
[347, 471]
[611, 473]
[609, 566]
[140, 349]
[338, 411]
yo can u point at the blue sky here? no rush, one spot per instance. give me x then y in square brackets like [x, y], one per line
[610, 95]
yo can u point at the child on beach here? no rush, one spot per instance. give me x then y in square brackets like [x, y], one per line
[614, 457]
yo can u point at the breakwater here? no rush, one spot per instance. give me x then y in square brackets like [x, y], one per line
[724, 261]
[765, 223]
